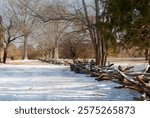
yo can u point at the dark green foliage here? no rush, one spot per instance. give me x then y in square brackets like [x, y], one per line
[133, 18]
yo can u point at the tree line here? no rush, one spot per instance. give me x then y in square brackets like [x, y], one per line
[51, 25]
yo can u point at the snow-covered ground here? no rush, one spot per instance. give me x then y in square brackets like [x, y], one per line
[36, 81]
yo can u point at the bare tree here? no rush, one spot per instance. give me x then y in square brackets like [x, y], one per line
[11, 34]
[55, 29]
[44, 44]
[90, 21]
[73, 45]
[24, 19]
[58, 31]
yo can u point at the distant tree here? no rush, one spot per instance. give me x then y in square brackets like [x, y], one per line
[24, 19]
[56, 27]
[97, 23]
[44, 47]
[57, 30]
[73, 45]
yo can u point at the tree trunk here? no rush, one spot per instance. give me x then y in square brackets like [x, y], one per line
[96, 36]
[5, 55]
[0, 57]
[25, 48]
[149, 56]
[1, 39]
[49, 54]
[1, 52]
[56, 51]
[102, 52]
[53, 53]
[146, 53]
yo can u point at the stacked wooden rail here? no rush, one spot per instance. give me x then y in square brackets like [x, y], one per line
[138, 81]
[52, 61]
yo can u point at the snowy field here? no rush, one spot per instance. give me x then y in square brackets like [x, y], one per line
[37, 81]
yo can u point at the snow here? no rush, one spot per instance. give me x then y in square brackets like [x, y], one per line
[36, 81]
[139, 63]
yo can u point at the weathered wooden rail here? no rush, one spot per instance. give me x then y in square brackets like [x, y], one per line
[128, 79]
[138, 81]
